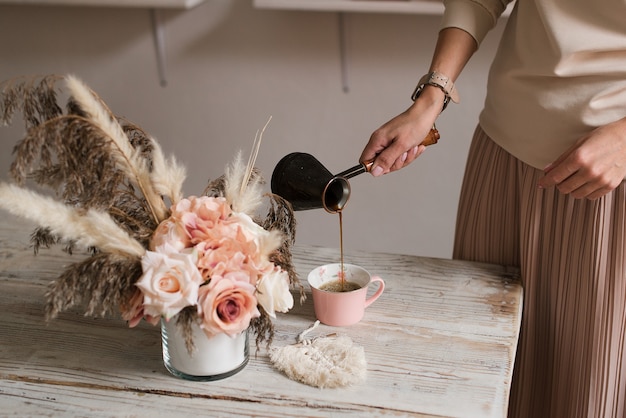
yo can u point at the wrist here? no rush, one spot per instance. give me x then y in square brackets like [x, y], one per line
[431, 97]
[428, 105]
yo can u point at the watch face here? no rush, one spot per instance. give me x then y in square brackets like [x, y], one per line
[417, 92]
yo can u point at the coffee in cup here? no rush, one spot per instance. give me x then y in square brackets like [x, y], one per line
[341, 304]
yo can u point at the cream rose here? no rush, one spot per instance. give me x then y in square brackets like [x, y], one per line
[273, 292]
[227, 306]
[169, 283]
[172, 233]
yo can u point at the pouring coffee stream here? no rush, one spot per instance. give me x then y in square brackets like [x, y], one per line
[304, 182]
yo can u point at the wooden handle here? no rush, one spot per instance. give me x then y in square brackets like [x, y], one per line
[432, 137]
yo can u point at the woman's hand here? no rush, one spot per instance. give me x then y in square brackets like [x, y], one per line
[593, 166]
[397, 143]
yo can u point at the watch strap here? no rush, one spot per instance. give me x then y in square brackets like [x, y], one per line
[437, 79]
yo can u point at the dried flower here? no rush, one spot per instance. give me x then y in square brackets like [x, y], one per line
[204, 258]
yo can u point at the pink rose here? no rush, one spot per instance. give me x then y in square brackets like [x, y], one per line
[227, 306]
[132, 312]
[227, 258]
[199, 216]
[169, 283]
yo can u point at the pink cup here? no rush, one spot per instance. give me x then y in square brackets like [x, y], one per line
[342, 308]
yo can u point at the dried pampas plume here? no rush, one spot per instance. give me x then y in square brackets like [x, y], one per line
[130, 161]
[86, 227]
[108, 182]
[102, 198]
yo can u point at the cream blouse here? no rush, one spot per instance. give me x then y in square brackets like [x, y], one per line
[559, 72]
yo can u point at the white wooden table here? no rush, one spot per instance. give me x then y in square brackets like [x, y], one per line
[440, 342]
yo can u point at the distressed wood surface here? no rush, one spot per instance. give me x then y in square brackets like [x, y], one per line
[439, 342]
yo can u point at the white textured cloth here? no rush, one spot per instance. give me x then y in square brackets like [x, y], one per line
[559, 72]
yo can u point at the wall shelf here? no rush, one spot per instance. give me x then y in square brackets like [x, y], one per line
[372, 6]
[150, 4]
[423, 7]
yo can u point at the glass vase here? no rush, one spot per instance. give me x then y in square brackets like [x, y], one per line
[213, 358]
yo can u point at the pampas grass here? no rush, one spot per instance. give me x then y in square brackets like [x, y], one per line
[243, 186]
[88, 228]
[243, 199]
[167, 175]
[130, 161]
[35, 98]
[106, 282]
[104, 197]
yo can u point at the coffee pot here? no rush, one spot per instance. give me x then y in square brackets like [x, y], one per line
[304, 182]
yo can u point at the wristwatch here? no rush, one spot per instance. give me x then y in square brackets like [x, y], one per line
[441, 81]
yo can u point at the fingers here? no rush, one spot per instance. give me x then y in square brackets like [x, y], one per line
[581, 181]
[397, 143]
[594, 165]
[557, 173]
[378, 142]
[413, 153]
[388, 153]
[406, 158]
[393, 158]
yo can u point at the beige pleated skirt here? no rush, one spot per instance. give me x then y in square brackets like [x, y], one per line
[571, 357]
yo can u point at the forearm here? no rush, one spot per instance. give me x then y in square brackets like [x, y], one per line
[453, 50]
[398, 142]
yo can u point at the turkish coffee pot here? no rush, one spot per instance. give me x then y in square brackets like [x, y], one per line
[304, 182]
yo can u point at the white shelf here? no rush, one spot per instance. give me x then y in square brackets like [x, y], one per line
[372, 6]
[150, 4]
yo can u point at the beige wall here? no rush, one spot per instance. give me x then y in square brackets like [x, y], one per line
[231, 66]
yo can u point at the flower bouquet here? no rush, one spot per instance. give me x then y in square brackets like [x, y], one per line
[201, 262]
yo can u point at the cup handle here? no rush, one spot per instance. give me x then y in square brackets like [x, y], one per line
[379, 291]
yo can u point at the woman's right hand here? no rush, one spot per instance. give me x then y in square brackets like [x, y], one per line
[397, 143]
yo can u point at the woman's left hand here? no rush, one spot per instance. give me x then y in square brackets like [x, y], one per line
[593, 166]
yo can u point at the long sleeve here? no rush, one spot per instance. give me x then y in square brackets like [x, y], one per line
[474, 17]
[560, 71]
